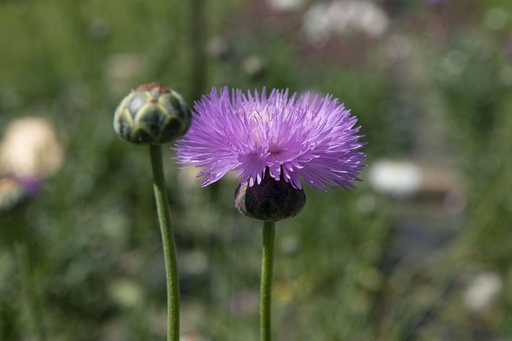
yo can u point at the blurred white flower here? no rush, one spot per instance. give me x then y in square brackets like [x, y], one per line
[397, 178]
[253, 66]
[127, 293]
[30, 148]
[482, 291]
[405, 179]
[219, 47]
[285, 5]
[322, 20]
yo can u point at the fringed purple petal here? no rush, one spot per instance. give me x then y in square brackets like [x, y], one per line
[293, 138]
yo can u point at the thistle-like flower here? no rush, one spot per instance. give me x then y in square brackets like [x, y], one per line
[274, 143]
[289, 138]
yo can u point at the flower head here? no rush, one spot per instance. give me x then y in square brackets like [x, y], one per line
[287, 137]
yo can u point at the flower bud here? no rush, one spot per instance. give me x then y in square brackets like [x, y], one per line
[151, 114]
[270, 200]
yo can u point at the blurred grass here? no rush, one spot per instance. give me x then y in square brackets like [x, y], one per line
[94, 237]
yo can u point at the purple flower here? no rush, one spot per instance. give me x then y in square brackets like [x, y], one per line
[289, 138]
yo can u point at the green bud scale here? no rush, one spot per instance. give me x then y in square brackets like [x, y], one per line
[270, 200]
[152, 114]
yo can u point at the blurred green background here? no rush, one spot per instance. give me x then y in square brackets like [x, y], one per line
[396, 259]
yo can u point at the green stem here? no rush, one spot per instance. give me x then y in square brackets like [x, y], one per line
[164, 218]
[267, 265]
[31, 301]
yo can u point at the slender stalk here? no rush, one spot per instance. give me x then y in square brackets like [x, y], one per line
[169, 247]
[267, 265]
[31, 300]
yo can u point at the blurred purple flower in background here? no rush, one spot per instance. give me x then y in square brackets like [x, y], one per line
[292, 138]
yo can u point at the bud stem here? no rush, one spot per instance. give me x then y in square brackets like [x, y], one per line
[267, 266]
[169, 247]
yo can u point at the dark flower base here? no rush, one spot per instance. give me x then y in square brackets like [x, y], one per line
[271, 200]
